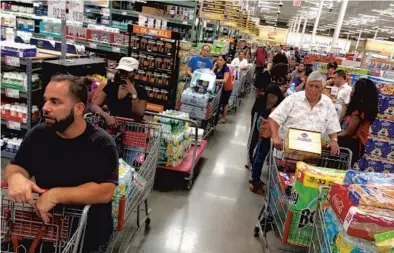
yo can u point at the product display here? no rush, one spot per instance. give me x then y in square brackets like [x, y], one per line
[379, 150]
[361, 221]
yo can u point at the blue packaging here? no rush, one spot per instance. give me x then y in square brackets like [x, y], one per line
[386, 130]
[375, 127]
[374, 166]
[388, 168]
[370, 146]
[382, 103]
[379, 150]
[390, 154]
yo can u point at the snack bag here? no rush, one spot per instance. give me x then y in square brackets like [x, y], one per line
[364, 178]
[309, 179]
[372, 195]
[359, 220]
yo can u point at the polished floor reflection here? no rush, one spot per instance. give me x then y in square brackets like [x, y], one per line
[219, 213]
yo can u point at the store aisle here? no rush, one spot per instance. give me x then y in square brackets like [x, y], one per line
[218, 214]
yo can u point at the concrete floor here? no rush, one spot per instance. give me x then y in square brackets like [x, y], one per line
[219, 213]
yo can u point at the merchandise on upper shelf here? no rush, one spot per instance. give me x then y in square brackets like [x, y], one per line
[18, 49]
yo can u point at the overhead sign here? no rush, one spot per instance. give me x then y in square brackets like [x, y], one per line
[57, 9]
[297, 3]
[213, 10]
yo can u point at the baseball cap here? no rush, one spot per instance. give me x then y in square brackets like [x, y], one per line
[128, 64]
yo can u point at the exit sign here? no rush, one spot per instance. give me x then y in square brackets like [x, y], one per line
[297, 3]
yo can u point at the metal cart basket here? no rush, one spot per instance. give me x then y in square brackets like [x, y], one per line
[138, 145]
[276, 215]
[22, 230]
[320, 242]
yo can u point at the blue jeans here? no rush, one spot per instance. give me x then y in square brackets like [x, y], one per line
[262, 150]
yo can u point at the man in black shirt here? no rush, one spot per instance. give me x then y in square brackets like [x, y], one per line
[75, 161]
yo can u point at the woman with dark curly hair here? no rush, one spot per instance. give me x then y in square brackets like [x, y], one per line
[273, 96]
[360, 113]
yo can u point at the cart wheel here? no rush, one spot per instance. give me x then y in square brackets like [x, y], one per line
[147, 222]
[256, 231]
[189, 184]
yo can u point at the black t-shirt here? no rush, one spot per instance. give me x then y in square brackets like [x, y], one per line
[263, 80]
[58, 162]
[122, 107]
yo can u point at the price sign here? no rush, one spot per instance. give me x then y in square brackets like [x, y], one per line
[11, 93]
[13, 125]
[12, 61]
[75, 10]
[57, 9]
[139, 181]
[116, 49]
[297, 3]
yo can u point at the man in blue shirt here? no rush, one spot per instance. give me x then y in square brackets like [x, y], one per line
[200, 61]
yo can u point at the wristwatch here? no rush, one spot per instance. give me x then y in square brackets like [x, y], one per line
[134, 96]
[334, 139]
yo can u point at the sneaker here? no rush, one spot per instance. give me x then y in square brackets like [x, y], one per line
[257, 188]
[222, 121]
[248, 166]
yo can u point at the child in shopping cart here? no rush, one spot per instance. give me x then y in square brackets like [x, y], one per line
[74, 161]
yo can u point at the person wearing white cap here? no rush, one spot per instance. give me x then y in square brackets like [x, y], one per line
[124, 97]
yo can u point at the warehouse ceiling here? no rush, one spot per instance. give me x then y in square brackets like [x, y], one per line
[360, 15]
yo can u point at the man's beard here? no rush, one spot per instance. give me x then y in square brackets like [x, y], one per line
[62, 124]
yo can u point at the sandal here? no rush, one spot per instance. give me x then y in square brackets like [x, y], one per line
[222, 121]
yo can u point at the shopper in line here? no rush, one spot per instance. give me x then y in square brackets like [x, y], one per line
[240, 61]
[200, 61]
[344, 90]
[223, 76]
[273, 96]
[124, 97]
[309, 110]
[293, 65]
[297, 72]
[297, 55]
[261, 59]
[76, 162]
[301, 80]
[331, 68]
[279, 63]
[360, 113]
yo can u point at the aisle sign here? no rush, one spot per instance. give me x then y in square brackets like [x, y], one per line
[57, 9]
[12, 93]
[152, 31]
[75, 10]
[13, 125]
[12, 61]
[213, 9]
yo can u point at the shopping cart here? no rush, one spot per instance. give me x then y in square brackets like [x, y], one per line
[138, 145]
[22, 230]
[276, 214]
[246, 80]
[320, 242]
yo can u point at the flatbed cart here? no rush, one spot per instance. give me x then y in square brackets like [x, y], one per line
[189, 163]
[138, 145]
[22, 230]
[276, 214]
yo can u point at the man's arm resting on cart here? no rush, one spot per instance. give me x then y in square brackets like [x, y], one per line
[20, 187]
[189, 71]
[86, 194]
[274, 127]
